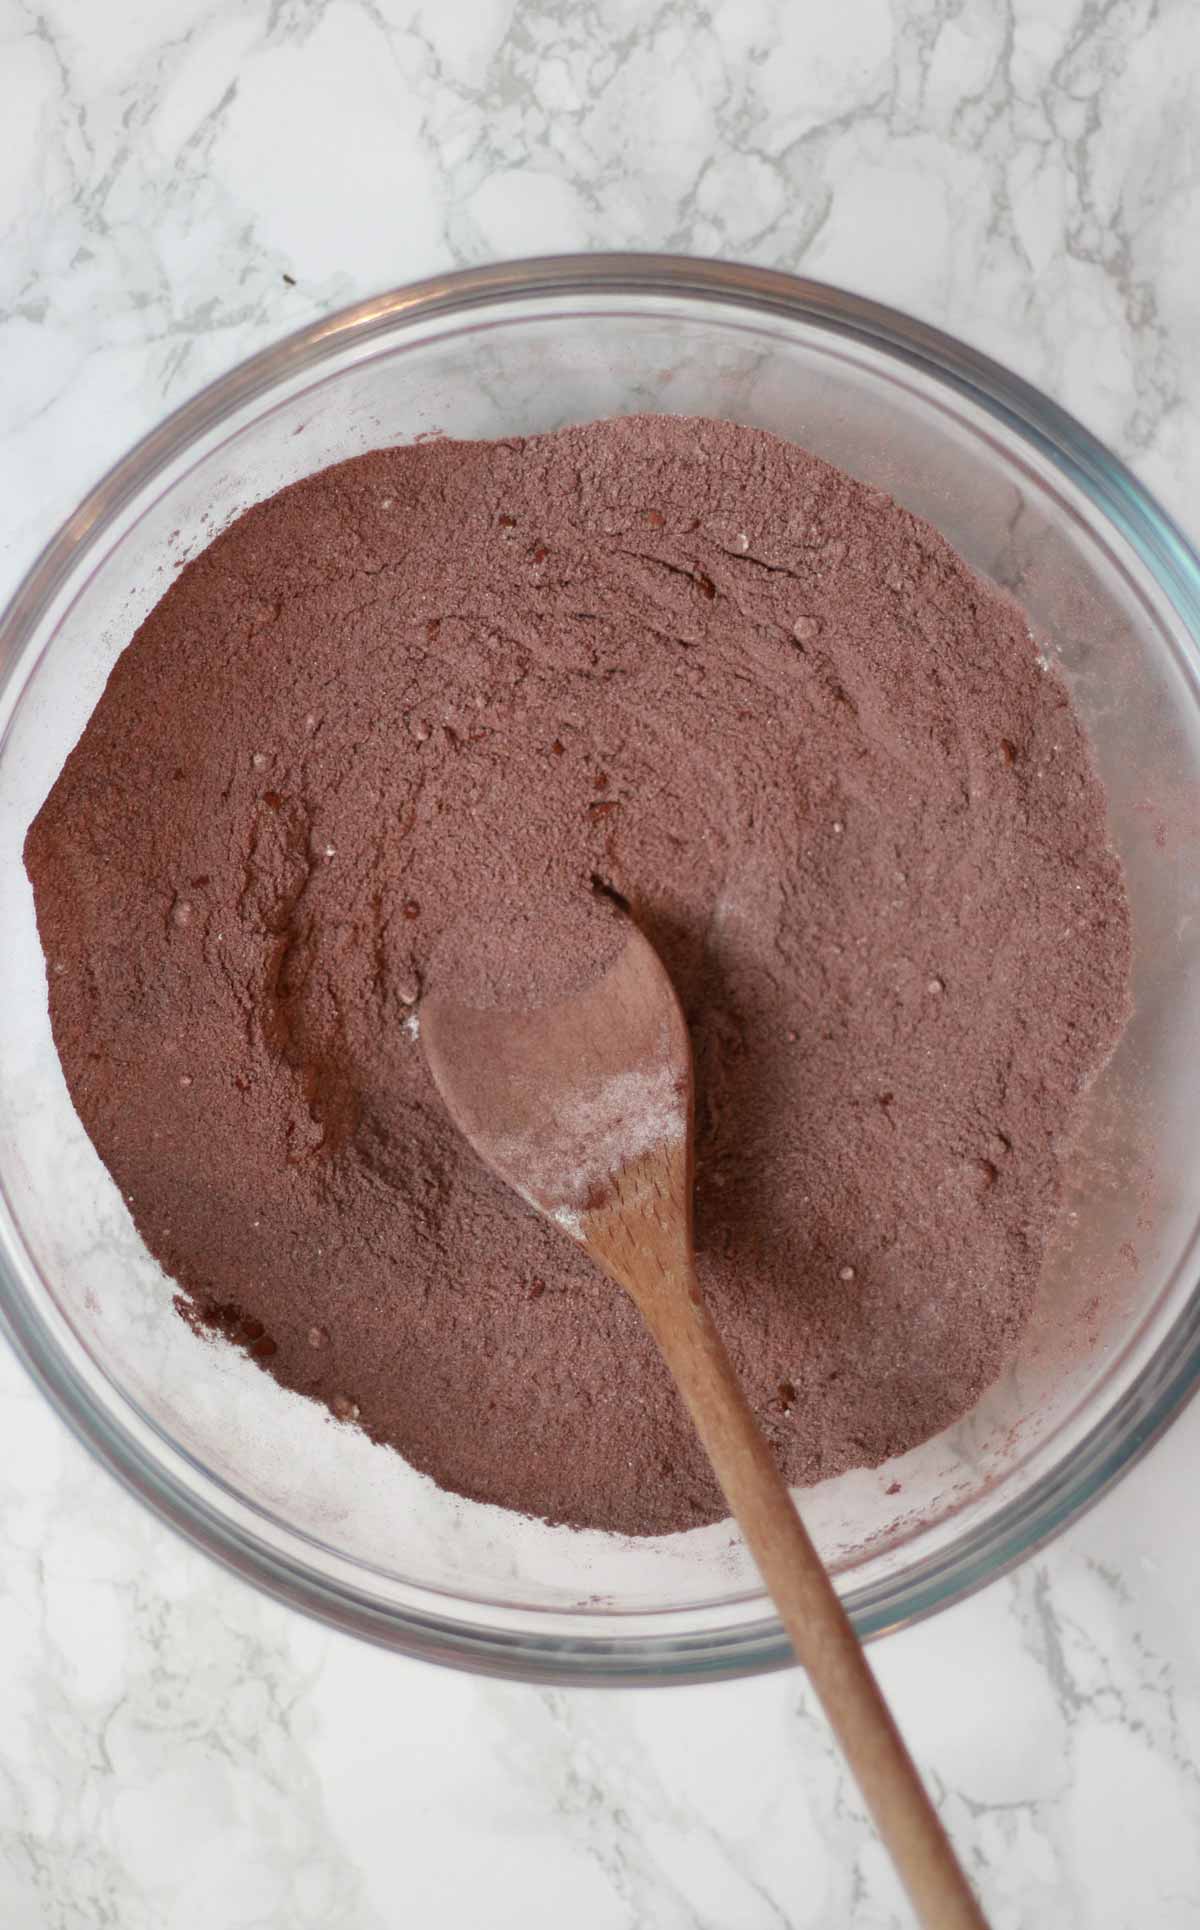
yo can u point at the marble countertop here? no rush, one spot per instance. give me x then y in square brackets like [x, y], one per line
[179, 184]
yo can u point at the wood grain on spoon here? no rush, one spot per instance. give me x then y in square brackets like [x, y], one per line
[585, 1109]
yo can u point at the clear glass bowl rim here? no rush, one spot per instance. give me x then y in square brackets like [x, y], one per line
[1166, 1381]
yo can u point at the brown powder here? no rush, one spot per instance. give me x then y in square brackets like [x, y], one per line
[681, 662]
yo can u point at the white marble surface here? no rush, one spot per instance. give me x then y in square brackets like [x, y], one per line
[176, 1754]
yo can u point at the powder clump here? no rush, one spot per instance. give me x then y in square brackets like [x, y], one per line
[681, 663]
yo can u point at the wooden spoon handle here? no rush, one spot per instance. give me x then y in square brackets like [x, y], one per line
[812, 1614]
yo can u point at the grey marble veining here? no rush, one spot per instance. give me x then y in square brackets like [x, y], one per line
[176, 1753]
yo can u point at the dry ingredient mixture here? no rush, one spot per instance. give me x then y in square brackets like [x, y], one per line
[680, 662]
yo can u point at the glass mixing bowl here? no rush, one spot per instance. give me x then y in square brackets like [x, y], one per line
[312, 1511]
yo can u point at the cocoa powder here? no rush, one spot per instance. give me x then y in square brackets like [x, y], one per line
[681, 663]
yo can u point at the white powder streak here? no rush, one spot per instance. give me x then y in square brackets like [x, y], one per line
[594, 1137]
[570, 1221]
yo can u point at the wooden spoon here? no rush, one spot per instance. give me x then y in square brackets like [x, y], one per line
[585, 1109]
